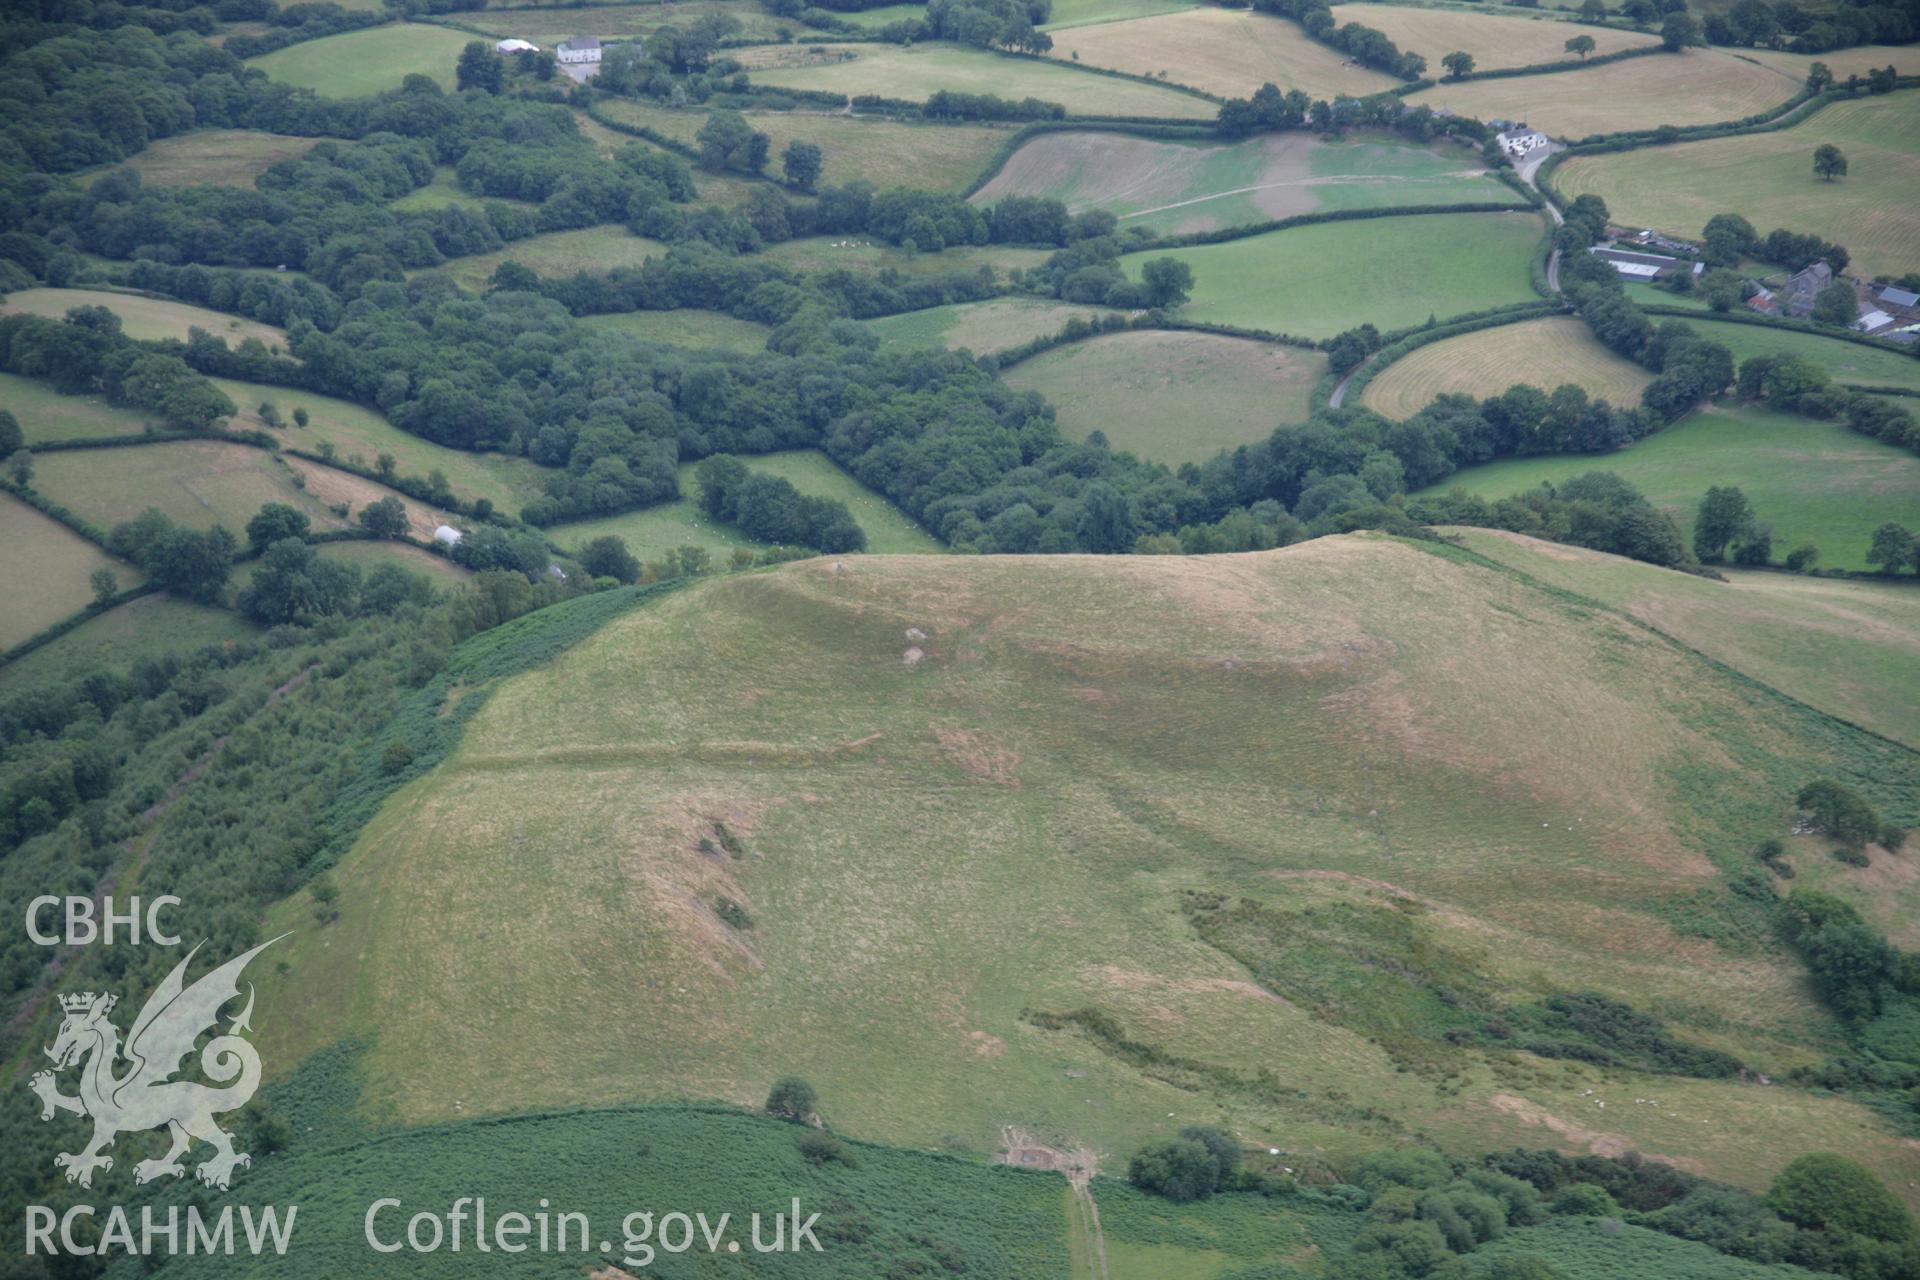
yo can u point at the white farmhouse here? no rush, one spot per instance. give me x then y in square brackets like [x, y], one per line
[1520, 142]
[579, 51]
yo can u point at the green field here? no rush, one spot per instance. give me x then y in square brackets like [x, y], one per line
[222, 157]
[1231, 52]
[1508, 38]
[595, 250]
[360, 435]
[1769, 178]
[887, 153]
[913, 72]
[870, 257]
[1170, 396]
[1546, 352]
[44, 414]
[1079, 13]
[1849, 362]
[443, 192]
[1812, 481]
[143, 317]
[1177, 187]
[980, 327]
[547, 25]
[373, 60]
[143, 628]
[1318, 280]
[960, 789]
[690, 327]
[44, 573]
[654, 531]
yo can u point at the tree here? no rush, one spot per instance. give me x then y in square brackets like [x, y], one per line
[20, 467]
[293, 584]
[727, 141]
[1106, 522]
[1168, 281]
[801, 163]
[1836, 305]
[1181, 1170]
[1593, 10]
[1680, 31]
[478, 68]
[105, 586]
[300, 417]
[1819, 77]
[1803, 557]
[1729, 238]
[1458, 64]
[386, 518]
[792, 1099]
[1829, 162]
[274, 522]
[1840, 811]
[1893, 548]
[1724, 516]
[608, 557]
[1826, 1192]
[1582, 45]
[11, 437]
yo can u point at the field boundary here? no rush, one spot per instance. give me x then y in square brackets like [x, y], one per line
[1405, 343]
[1775, 322]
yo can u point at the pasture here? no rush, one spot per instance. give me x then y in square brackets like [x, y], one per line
[595, 250]
[44, 573]
[1857, 61]
[1178, 187]
[1507, 38]
[912, 73]
[45, 415]
[1769, 178]
[1318, 280]
[1701, 86]
[143, 317]
[1172, 396]
[217, 157]
[1812, 481]
[1080, 13]
[205, 482]
[372, 60]
[360, 435]
[1230, 52]
[691, 327]
[870, 257]
[547, 25]
[1848, 362]
[443, 192]
[146, 627]
[1546, 352]
[923, 862]
[887, 153]
[980, 327]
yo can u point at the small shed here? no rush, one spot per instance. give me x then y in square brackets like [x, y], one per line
[516, 46]
[447, 535]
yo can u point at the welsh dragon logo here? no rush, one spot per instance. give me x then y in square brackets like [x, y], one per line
[143, 1095]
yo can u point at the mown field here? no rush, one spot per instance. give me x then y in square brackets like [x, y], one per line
[870, 257]
[1769, 179]
[595, 250]
[143, 628]
[1812, 481]
[1508, 38]
[1318, 280]
[144, 318]
[44, 573]
[691, 327]
[1849, 362]
[206, 482]
[1175, 188]
[1857, 61]
[360, 435]
[887, 153]
[372, 60]
[1847, 646]
[1170, 396]
[1545, 352]
[912, 73]
[1701, 86]
[1230, 52]
[980, 327]
[45, 415]
[948, 791]
[221, 157]
[547, 25]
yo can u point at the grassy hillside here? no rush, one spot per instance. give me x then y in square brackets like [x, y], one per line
[980, 327]
[1169, 396]
[142, 628]
[1318, 280]
[223, 157]
[1230, 52]
[368, 61]
[912, 73]
[1483, 363]
[950, 794]
[1175, 188]
[594, 250]
[144, 318]
[1769, 178]
[548, 26]
[1812, 481]
[867, 257]
[1849, 362]
[44, 574]
[1701, 86]
[45, 415]
[1504, 39]
[687, 328]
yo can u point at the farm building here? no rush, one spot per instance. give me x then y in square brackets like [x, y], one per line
[1654, 240]
[579, 57]
[516, 46]
[1641, 266]
[1520, 142]
[1874, 322]
[1801, 289]
[1899, 302]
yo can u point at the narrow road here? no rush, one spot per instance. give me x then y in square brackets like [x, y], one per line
[1527, 169]
[1340, 392]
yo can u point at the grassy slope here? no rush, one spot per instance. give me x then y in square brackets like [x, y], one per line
[1769, 178]
[928, 848]
[708, 330]
[1078, 13]
[144, 318]
[1845, 361]
[43, 575]
[1172, 397]
[1228, 52]
[1702, 86]
[866, 257]
[1502, 39]
[595, 250]
[142, 628]
[979, 327]
[548, 26]
[913, 73]
[1812, 481]
[223, 157]
[368, 61]
[1315, 281]
[1486, 362]
[44, 414]
[1175, 188]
